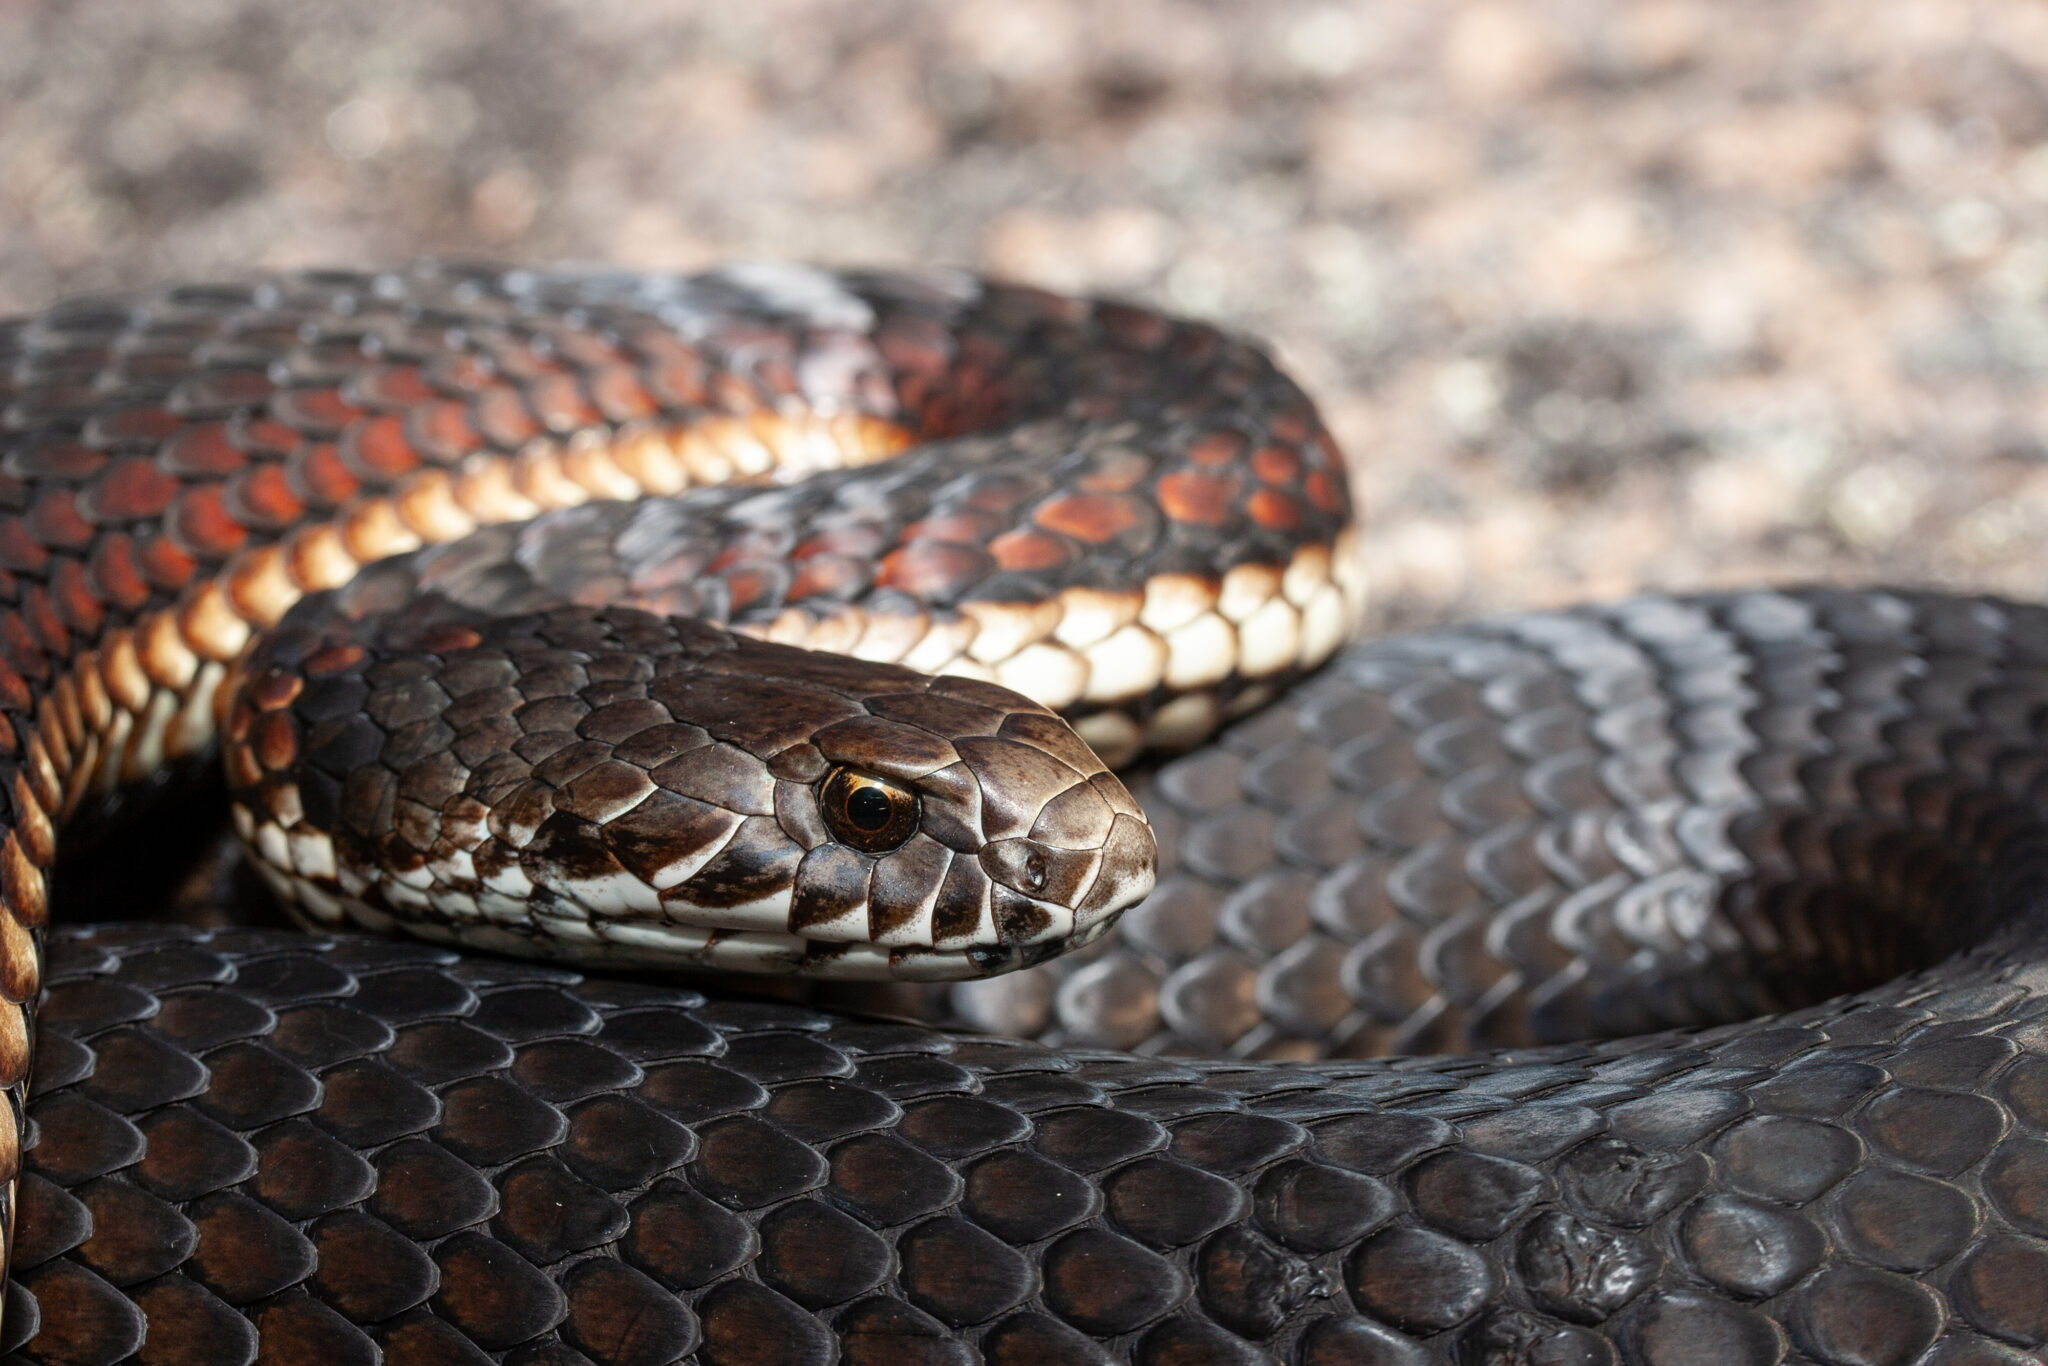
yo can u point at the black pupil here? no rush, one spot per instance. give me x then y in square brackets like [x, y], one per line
[869, 808]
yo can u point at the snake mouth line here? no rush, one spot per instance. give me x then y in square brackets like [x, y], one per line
[672, 947]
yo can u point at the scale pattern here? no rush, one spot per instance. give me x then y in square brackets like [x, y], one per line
[300, 1149]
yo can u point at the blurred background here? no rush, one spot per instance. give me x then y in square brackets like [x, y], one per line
[1599, 295]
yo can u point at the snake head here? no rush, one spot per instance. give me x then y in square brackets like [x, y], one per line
[610, 786]
[967, 820]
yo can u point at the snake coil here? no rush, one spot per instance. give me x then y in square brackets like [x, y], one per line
[1737, 897]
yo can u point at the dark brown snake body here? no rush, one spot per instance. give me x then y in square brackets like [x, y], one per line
[1778, 856]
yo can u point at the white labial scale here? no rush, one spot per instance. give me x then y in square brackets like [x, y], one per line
[566, 929]
[850, 927]
[685, 868]
[773, 953]
[403, 896]
[916, 931]
[1059, 925]
[660, 940]
[451, 903]
[510, 881]
[312, 852]
[456, 867]
[612, 894]
[271, 847]
[769, 913]
[419, 879]
[500, 907]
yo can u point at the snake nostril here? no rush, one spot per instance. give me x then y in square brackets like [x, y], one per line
[1034, 872]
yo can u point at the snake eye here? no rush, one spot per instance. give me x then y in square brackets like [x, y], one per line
[865, 812]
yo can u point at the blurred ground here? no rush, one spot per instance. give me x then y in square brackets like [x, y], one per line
[1601, 295]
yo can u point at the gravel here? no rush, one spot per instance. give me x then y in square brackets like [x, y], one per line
[1600, 296]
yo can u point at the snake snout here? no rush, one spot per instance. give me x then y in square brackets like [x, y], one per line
[1091, 883]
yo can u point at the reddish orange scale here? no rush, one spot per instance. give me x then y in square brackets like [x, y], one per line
[322, 412]
[165, 565]
[558, 401]
[275, 690]
[392, 386]
[1026, 549]
[55, 520]
[1217, 448]
[450, 637]
[141, 425]
[829, 576]
[318, 476]
[776, 374]
[956, 528]
[1276, 464]
[45, 620]
[261, 436]
[22, 651]
[1290, 427]
[1090, 517]
[442, 431]
[274, 741]
[114, 573]
[377, 449]
[19, 548]
[461, 372]
[199, 522]
[678, 382]
[586, 349]
[1115, 472]
[746, 585]
[517, 358]
[133, 488]
[55, 460]
[1273, 510]
[263, 497]
[932, 568]
[727, 558]
[1326, 491]
[15, 695]
[617, 392]
[500, 414]
[730, 393]
[862, 541]
[333, 659]
[76, 601]
[1197, 499]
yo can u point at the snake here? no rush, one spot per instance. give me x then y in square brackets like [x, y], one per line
[1660, 982]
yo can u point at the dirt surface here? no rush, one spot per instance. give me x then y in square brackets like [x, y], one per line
[1600, 295]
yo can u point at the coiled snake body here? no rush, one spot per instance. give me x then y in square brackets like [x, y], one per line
[1778, 856]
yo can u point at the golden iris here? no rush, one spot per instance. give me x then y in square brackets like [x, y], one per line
[868, 813]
